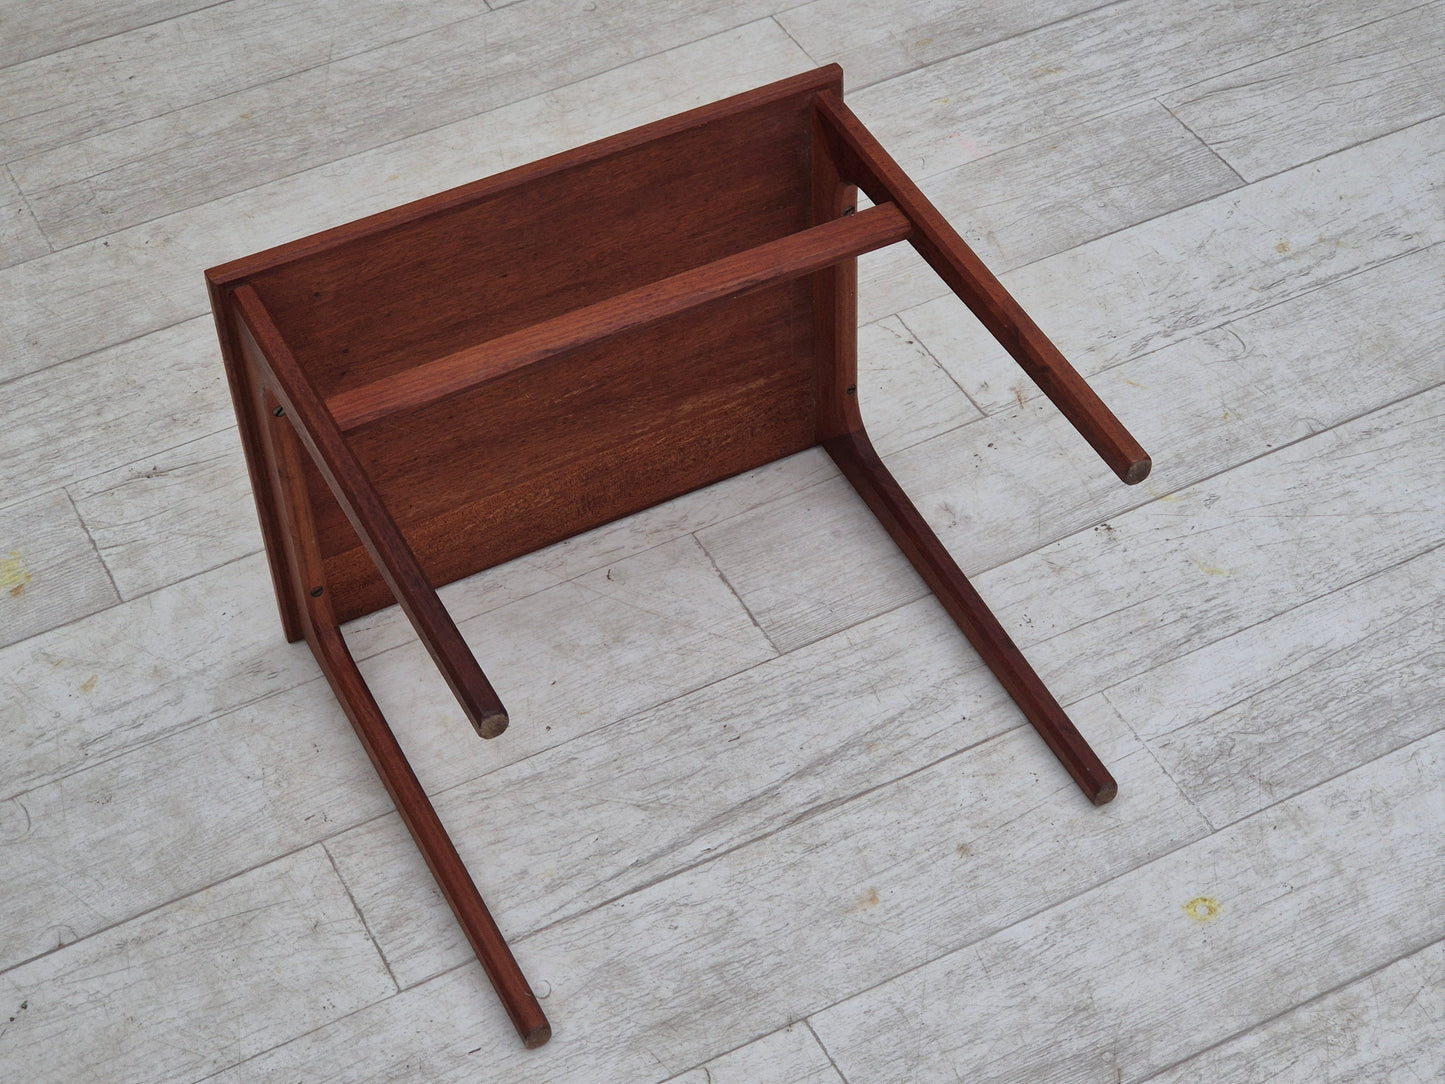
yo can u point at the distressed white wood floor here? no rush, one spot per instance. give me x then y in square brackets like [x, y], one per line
[761, 816]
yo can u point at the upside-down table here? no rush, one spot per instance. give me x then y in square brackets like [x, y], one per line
[436, 389]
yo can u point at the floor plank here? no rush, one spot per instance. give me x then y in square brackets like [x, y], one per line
[1050, 194]
[134, 833]
[1364, 657]
[71, 696]
[95, 186]
[1273, 115]
[1180, 954]
[1228, 553]
[164, 389]
[875, 43]
[137, 76]
[34, 30]
[1169, 279]
[156, 1000]
[1389, 1025]
[1114, 55]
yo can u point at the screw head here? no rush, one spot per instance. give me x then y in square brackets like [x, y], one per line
[317, 592]
[279, 412]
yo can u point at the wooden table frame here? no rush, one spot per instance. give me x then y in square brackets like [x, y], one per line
[436, 389]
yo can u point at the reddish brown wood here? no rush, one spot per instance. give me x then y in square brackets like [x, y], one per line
[730, 277]
[854, 454]
[370, 518]
[864, 162]
[835, 301]
[323, 634]
[484, 372]
[246, 398]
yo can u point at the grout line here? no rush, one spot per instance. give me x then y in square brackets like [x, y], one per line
[807, 1021]
[1206, 145]
[29, 210]
[711, 560]
[366, 926]
[110, 578]
[1163, 768]
[811, 59]
[917, 338]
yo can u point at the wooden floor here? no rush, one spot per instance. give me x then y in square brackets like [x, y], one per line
[761, 815]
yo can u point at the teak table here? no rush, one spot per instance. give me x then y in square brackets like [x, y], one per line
[442, 387]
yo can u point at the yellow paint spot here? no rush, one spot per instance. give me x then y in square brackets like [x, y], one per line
[88, 685]
[1282, 247]
[1202, 908]
[865, 902]
[1212, 570]
[1182, 495]
[1134, 384]
[13, 575]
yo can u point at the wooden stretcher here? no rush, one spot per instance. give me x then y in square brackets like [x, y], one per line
[436, 389]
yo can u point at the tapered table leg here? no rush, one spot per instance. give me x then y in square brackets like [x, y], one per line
[854, 454]
[284, 452]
